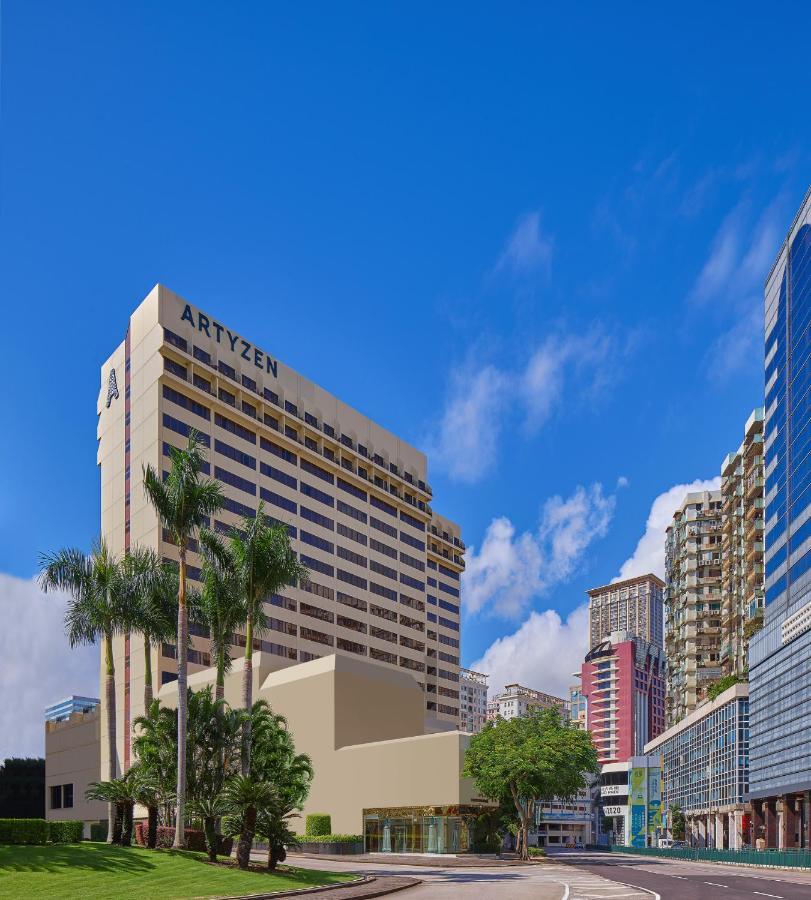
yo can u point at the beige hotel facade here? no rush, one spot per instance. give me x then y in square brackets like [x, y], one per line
[384, 567]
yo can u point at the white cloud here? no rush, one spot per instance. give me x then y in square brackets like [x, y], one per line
[649, 555]
[467, 438]
[509, 569]
[623, 482]
[38, 666]
[542, 654]
[528, 249]
[465, 442]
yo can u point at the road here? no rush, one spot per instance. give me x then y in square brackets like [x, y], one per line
[544, 881]
[680, 880]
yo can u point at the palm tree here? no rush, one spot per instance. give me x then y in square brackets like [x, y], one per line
[154, 606]
[155, 745]
[147, 792]
[220, 605]
[184, 502]
[123, 794]
[209, 809]
[244, 798]
[97, 611]
[265, 563]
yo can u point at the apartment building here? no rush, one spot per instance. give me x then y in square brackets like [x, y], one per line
[578, 705]
[633, 605]
[742, 546]
[384, 567]
[692, 598]
[472, 700]
[623, 682]
[517, 700]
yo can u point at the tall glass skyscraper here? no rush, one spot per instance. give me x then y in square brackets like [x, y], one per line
[780, 654]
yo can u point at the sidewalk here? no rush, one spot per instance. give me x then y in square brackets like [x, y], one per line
[372, 886]
[428, 860]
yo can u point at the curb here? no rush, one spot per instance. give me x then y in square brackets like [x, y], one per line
[358, 882]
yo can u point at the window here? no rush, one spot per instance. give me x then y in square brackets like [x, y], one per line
[450, 607]
[238, 508]
[412, 561]
[412, 582]
[235, 428]
[318, 471]
[283, 602]
[249, 383]
[201, 383]
[412, 664]
[383, 635]
[56, 796]
[381, 504]
[170, 365]
[310, 444]
[351, 489]
[278, 475]
[412, 603]
[279, 451]
[278, 500]
[349, 600]
[290, 407]
[352, 557]
[383, 591]
[309, 634]
[227, 370]
[412, 541]
[375, 566]
[310, 419]
[193, 406]
[354, 624]
[234, 480]
[449, 572]
[323, 521]
[313, 492]
[410, 520]
[416, 624]
[348, 510]
[351, 533]
[329, 430]
[314, 541]
[316, 612]
[202, 355]
[317, 566]
[271, 422]
[350, 646]
[382, 656]
[388, 614]
[272, 396]
[182, 428]
[291, 432]
[320, 590]
[349, 578]
[233, 453]
[175, 340]
[384, 549]
[249, 409]
[227, 397]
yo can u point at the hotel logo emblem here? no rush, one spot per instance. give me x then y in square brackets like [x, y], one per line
[112, 388]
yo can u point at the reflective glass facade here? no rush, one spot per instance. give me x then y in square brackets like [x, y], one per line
[780, 654]
[417, 830]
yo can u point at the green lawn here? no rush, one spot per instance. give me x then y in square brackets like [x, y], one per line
[89, 871]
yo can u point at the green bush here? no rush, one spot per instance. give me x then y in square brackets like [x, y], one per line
[98, 831]
[331, 839]
[23, 831]
[318, 824]
[65, 831]
[536, 851]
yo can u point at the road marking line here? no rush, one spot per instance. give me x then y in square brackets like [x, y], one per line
[777, 896]
[715, 884]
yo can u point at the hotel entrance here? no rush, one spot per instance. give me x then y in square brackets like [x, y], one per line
[419, 830]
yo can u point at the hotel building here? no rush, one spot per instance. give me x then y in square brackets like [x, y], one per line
[705, 770]
[692, 601]
[742, 547]
[633, 605]
[780, 653]
[384, 568]
[472, 700]
[623, 682]
[517, 700]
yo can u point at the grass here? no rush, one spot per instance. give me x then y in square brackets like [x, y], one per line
[91, 871]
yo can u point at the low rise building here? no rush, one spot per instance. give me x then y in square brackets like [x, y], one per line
[562, 823]
[72, 762]
[472, 700]
[363, 725]
[630, 809]
[517, 700]
[705, 770]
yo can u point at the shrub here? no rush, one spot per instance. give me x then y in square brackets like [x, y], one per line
[195, 839]
[536, 851]
[318, 824]
[331, 839]
[98, 831]
[65, 831]
[23, 831]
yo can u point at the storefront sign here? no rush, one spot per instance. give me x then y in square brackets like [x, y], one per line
[613, 790]
[612, 811]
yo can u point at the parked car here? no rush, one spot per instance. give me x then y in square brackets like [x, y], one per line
[679, 845]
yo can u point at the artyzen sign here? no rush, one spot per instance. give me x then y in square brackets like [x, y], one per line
[212, 329]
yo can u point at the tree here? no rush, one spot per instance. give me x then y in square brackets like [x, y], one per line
[184, 503]
[98, 610]
[122, 793]
[154, 604]
[244, 798]
[530, 759]
[220, 608]
[214, 744]
[265, 563]
[22, 789]
[677, 822]
[155, 745]
[274, 760]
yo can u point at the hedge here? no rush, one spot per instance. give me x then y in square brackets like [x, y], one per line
[331, 839]
[195, 839]
[40, 831]
[318, 824]
[68, 831]
[98, 831]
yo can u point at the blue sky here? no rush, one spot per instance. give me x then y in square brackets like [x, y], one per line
[531, 241]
